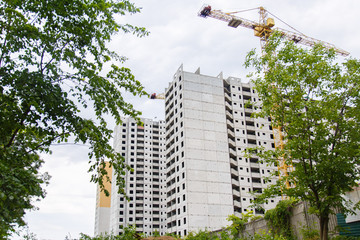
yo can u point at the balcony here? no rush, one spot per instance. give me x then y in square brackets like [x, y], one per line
[228, 106]
[250, 127]
[234, 172]
[256, 185]
[237, 204]
[255, 174]
[233, 152]
[252, 137]
[229, 115]
[235, 182]
[233, 162]
[227, 96]
[254, 164]
[231, 133]
[251, 142]
[249, 119]
[236, 193]
[229, 123]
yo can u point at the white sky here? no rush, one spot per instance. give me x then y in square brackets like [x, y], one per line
[179, 36]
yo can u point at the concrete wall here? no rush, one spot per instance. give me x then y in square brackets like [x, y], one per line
[209, 193]
[300, 219]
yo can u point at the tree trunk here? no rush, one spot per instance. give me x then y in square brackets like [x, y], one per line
[324, 227]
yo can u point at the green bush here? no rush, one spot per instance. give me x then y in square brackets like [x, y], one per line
[129, 233]
[278, 219]
[310, 233]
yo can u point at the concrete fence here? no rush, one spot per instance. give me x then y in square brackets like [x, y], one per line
[300, 219]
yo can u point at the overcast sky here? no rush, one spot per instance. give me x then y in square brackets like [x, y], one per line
[178, 36]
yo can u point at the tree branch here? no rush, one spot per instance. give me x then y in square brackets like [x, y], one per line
[47, 142]
[17, 130]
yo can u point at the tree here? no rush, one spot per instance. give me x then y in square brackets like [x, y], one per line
[54, 63]
[316, 103]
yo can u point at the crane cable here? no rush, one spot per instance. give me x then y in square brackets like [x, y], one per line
[285, 23]
[243, 10]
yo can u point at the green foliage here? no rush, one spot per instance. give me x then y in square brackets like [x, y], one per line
[54, 63]
[309, 233]
[316, 102]
[278, 218]
[267, 236]
[174, 235]
[129, 233]
[156, 233]
[201, 235]
[238, 223]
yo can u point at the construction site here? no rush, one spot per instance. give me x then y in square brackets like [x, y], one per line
[191, 169]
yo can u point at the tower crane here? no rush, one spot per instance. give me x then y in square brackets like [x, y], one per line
[263, 30]
[265, 27]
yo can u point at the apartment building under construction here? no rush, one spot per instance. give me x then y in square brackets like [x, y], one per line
[191, 172]
[143, 148]
[208, 126]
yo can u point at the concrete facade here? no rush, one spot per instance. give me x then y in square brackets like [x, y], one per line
[191, 173]
[208, 126]
[144, 150]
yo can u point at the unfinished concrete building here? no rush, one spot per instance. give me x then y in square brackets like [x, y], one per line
[191, 173]
[208, 125]
[144, 150]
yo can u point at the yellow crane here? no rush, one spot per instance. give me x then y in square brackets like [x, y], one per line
[265, 27]
[263, 30]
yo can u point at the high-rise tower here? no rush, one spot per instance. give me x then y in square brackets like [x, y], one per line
[143, 148]
[208, 126]
[192, 173]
